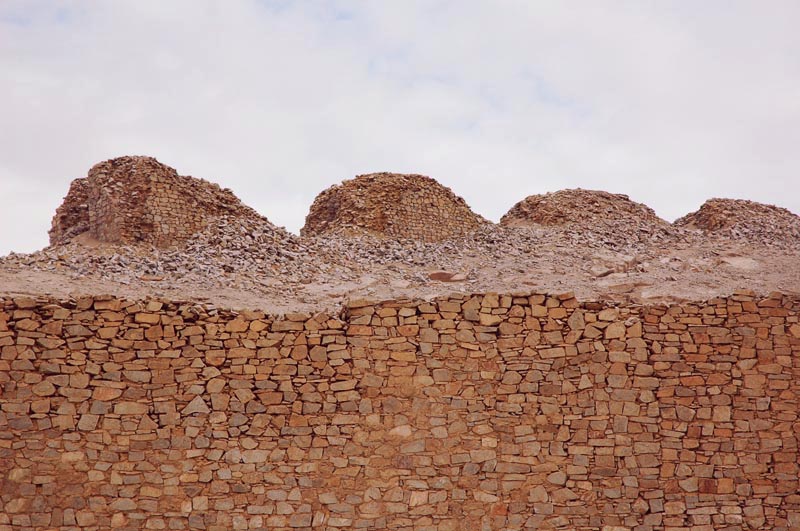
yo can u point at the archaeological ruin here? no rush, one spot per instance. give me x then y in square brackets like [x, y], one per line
[135, 200]
[392, 205]
[403, 364]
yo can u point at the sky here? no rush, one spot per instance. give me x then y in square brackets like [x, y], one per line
[670, 102]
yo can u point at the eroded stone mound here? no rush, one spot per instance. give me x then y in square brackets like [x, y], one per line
[589, 210]
[392, 205]
[138, 200]
[741, 219]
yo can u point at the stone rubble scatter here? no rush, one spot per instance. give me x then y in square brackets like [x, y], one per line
[370, 241]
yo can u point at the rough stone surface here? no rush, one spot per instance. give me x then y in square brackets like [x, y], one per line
[612, 249]
[740, 219]
[72, 216]
[471, 412]
[595, 211]
[138, 200]
[392, 205]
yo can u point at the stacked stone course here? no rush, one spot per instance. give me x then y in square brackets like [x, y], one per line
[523, 411]
[72, 216]
[392, 205]
[138, 200]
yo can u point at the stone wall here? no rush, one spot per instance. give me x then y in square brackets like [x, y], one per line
[392, 205]
[477, 412]
[138, 200]
[72, 216]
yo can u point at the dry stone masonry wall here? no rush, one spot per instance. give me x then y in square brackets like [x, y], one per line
[72, 216]
[467, 413]
[392, 205]
[138, 200]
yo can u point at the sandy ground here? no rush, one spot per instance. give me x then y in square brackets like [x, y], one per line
[661, 276]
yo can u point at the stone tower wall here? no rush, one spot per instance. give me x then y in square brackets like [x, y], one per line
[133, 200]
[393, 206]
[72, 216]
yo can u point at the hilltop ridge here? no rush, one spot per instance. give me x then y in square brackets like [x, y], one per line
[135, 227]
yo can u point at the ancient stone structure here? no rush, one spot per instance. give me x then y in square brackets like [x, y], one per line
[467, 413]
[138, 200]
[743, 219]
[72, 217]
[394, 206]
[590, 209]
[577, 206]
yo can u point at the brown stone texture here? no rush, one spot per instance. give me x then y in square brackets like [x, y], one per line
[473, 412]
[743, 219]
[72, 216]
[138, 200]
[392, 205]
[592, 210]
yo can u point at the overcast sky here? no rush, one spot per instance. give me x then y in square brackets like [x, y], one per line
[670, 102]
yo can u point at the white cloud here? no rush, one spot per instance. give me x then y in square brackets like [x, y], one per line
[670, 102]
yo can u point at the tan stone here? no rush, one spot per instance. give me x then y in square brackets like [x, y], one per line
[148, 318]
[130, 408]
[487, 319]
[615, 330]
[106, 393]
[197, 405]
[44, 388]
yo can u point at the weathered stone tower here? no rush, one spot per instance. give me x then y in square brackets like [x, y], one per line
[138, 200]
[392, 205]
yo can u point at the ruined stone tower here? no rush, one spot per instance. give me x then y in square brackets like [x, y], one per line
[138, 200]
[392, 205]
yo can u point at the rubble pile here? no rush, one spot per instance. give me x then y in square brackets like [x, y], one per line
[391, 205]
[740, 219]
[227, 245]
[612, 216]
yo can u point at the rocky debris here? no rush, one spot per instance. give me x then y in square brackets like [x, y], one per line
[613, 248]
[391, 205]
[613, 216]
[258, 265]
[740, 219]
[249, 248]
[138, 200]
